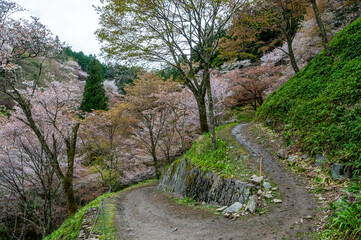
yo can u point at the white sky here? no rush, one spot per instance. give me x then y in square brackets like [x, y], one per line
[74, 21]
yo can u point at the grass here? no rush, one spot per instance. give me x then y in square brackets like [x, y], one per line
[228, 160]
[69, 230]
[345, 222]
[320, 107]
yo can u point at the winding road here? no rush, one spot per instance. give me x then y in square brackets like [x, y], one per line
[144, 213]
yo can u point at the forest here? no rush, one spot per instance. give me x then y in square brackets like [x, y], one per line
[174, 77]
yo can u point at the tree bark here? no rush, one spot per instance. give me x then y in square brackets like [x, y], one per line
[292, 55]
[206, 78]
[322, 27]
[69, 194]
[202, 110]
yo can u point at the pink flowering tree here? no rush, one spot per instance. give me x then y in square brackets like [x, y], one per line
[48, 112]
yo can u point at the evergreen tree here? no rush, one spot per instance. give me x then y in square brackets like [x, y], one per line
[94, 97]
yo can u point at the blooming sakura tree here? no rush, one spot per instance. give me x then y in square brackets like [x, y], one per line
[47, 117]
[49, 112]
[151, 115]
[29, 180]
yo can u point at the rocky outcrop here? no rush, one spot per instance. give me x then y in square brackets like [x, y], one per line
[187, 180]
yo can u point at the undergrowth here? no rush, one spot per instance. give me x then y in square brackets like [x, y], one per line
[345, 223]
[321, 105]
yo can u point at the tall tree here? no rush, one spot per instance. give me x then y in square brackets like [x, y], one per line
[22, 40]
[288, 15]
[94, 97]
[322, 27]
[181, 33]
[150, 113]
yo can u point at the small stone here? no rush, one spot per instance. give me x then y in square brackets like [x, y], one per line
[274, 189]
[235, 207]
[282, 154]
[221, 209]
[267, 186]
[204, 203]
[277, 200]
[259, 192]
[268, 195]
[251, 205]
[256, 179]
[337, 171]
[308, 217]
[292, 158]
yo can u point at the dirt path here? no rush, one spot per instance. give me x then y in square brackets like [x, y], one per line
[144, 213]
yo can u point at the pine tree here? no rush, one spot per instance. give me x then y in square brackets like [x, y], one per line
[94, 97]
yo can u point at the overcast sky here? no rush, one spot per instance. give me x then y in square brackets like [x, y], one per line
[74, 21]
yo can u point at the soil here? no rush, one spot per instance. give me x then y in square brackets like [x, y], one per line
[145, 213]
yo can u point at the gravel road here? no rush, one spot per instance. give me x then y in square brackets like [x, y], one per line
[145, 213]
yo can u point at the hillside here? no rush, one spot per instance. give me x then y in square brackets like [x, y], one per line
[320, 106]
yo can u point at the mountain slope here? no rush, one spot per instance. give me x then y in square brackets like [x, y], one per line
[321, 105]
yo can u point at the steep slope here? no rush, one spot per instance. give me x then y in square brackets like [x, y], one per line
[321, 105]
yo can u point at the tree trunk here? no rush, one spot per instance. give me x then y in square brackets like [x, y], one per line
[69, 194]
[155, 159]
[292, 55]
[206, 78]
[202, 114]
[68, 178]
[322, 27]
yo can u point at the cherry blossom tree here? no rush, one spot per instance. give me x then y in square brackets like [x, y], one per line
[29, 179]
[48, 116]
[48, 112]
[151, 115]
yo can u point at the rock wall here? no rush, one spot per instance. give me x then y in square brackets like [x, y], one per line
[185, 179]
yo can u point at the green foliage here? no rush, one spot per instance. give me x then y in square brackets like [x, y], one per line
[345, 223]
[71, 226]
[83, 60]
[320, 106]
[94, 97]
[168, 72]
[122, 75]
[225, 160]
